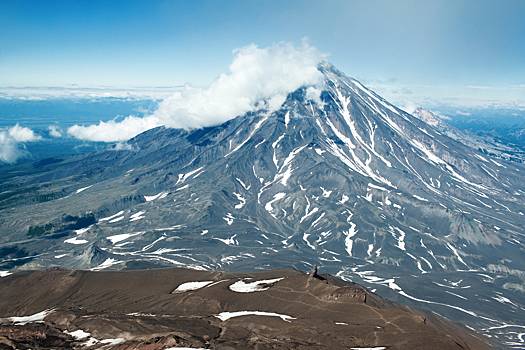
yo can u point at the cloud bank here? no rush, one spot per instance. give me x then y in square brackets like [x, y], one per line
[42, 93]
[10, 139]
[459, 96]
[114, 130]
[256, 75]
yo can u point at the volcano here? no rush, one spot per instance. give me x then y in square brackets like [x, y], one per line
[337, 177]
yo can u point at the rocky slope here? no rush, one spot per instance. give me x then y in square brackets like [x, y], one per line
[178, 308]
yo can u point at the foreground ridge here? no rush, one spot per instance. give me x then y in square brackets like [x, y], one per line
[182, 308]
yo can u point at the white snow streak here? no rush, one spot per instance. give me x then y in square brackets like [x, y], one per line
[38, 317]
[276, 197]
[189, 286]
[257, 126]
[107, 218]
[241, 199]
[82, 189]
[160, 195]
[183, 177]
[348, 238]
[224, 316]
[75, 240]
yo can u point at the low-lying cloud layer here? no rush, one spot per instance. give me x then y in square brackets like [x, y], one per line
[43, 93]
[10, 140]
[256, 74]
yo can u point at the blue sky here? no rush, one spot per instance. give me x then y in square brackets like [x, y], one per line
[410, 47]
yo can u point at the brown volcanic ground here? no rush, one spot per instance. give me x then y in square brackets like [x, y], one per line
[140, 309]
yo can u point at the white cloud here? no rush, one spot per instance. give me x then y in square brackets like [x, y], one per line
[459, 96]
[9, 151]
[123, 146]
[22, 134]
[314, 93]
[257, 77]
[10, 139]
[114, 130]
[409, 107]
[54, 131]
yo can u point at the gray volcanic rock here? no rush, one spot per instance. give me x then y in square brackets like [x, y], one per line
[336, 177]
[166, 308]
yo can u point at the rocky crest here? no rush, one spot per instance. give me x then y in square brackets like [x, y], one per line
[178, 308]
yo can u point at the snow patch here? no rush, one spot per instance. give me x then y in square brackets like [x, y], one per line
[82, 189]
[79, 334]
[75, 240]
[420, 198]
[241, 199]
[224, 316]
[326, 193]
[113, 341]
[229, 219]
[255, 286]
[116, 219]
[276, 197]
[189, 286]
[38, 317]
[228, 241]
[287, 119]
[122, 237]
[352, 231]
[137, 216]
[107, 263]
[159, 195]
[107, 218]
[183, 177]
